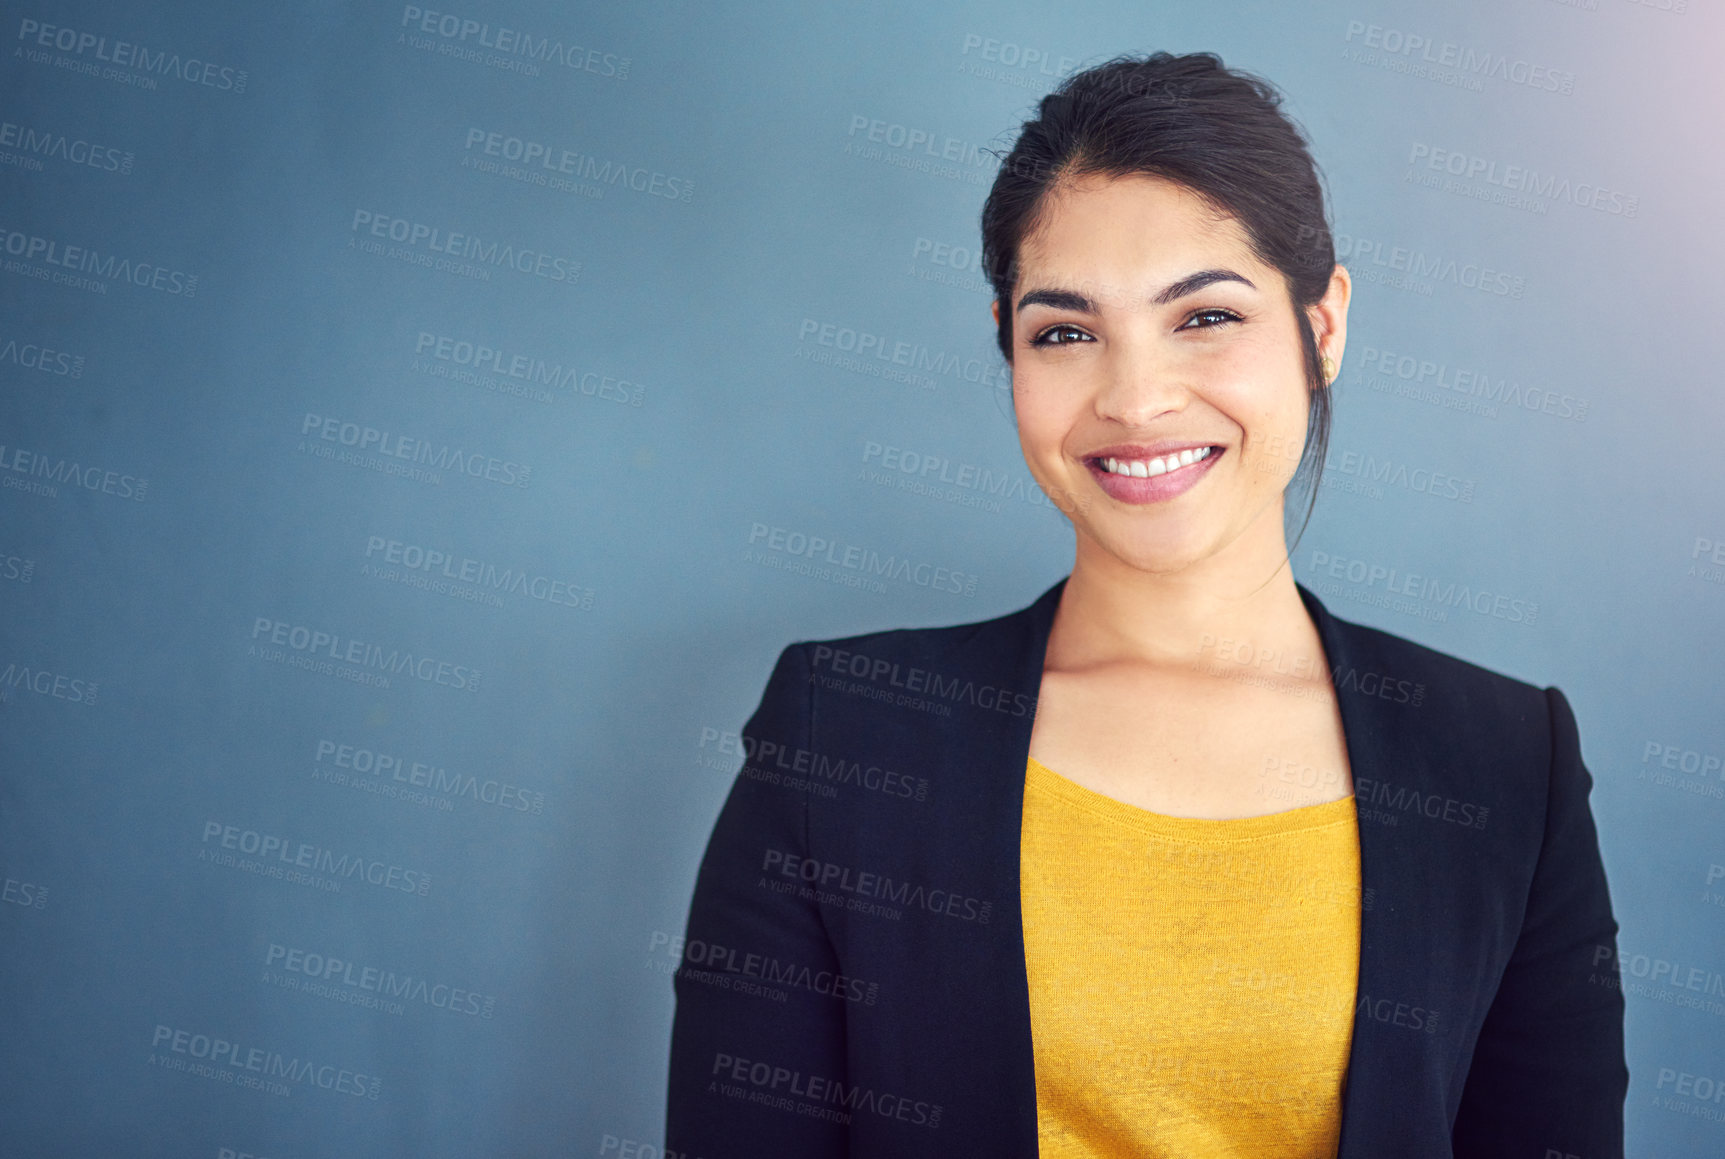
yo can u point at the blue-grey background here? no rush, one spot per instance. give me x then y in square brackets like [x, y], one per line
[753, 189]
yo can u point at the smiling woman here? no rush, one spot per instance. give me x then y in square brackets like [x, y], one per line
[1179, 329]
[1201, 869]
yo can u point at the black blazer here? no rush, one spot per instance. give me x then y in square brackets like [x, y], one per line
[853, 978]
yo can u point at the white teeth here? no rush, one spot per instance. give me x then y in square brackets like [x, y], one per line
[1148, 468]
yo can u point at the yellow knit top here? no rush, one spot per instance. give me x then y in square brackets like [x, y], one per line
[1192, 981]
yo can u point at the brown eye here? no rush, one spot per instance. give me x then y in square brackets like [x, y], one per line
[1205, 319]
[1063, 334]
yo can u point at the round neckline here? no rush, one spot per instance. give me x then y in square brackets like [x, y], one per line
[1203, 829]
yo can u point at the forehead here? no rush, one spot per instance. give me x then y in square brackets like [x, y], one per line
[1127, 231]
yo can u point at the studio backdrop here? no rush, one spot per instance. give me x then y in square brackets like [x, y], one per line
[422, 426]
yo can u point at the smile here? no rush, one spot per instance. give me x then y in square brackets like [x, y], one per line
[1149, 468]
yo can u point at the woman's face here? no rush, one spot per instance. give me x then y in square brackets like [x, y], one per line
[1144, 332]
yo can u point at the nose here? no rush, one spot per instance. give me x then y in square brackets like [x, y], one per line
[1140, 383]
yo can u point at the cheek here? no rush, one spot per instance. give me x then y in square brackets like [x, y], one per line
[1278, 436]
[1045, 415]
[1269, 404]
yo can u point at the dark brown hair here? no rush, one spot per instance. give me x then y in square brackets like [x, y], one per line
[1217, 131]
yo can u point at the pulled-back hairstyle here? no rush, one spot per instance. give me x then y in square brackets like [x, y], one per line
[1217, 131]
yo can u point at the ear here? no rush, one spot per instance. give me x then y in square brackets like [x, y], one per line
[1330, 315]
[996, 308]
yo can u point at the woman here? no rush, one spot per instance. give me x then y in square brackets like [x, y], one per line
[1173, 861]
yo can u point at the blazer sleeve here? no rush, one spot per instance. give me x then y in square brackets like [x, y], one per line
[753, 1045]
[1548, 1076]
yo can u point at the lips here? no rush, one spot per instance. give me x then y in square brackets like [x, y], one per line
[1140, 474]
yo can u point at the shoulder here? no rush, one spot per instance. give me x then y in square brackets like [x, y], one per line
[1472, 750]
[1454, 688]
[1420, 718]
[921, 678]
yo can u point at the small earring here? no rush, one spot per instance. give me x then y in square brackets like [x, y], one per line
[1327, 368]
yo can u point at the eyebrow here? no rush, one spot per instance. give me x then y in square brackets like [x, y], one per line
[1190, 284]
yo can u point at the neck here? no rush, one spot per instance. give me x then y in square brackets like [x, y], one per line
[1242, 597]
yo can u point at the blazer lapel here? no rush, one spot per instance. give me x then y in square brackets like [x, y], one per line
[965, 1031]
[1387, 1060]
